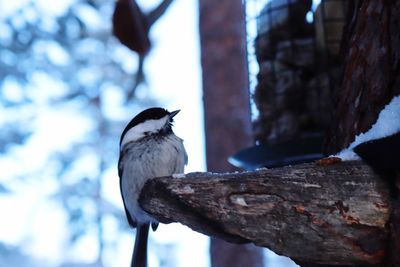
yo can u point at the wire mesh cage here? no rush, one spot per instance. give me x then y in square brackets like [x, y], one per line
[296, 46]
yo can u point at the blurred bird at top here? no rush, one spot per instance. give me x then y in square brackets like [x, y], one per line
[132, 26]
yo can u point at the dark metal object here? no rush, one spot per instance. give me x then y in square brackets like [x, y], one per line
[277, 155]
[382, 154]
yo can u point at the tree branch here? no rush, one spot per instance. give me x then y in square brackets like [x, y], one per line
[157, 12]
[326, 214]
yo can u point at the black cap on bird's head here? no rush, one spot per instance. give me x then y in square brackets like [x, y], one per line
[149, 121]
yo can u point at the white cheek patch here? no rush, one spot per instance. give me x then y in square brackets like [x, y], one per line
[137, 132]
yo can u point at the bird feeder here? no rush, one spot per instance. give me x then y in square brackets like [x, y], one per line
[297, 49]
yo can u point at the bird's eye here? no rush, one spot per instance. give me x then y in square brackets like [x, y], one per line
[146, 133]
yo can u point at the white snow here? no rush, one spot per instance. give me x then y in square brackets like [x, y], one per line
[388, 123]
[178, 175]
[240, 201]
[187, 189]
[306, 185]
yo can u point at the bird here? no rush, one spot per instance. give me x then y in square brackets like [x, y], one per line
[148, 149]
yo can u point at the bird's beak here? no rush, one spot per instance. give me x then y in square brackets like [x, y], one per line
[173, 113]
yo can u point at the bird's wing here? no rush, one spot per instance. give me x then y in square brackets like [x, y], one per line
[131, 221]
[186, 157]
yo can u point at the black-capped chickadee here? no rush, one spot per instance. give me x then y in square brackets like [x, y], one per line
[148, 149]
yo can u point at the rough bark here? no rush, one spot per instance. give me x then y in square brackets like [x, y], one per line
[371, 69]
[326, 214]
[371, 77]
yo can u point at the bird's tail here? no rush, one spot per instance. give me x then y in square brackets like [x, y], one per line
[139, 257]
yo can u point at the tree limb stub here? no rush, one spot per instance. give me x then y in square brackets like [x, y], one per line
[326, 214]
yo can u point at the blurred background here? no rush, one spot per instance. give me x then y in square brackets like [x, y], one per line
[64, 82]
[67, 89]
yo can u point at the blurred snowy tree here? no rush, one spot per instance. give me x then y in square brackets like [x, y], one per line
[63, 86]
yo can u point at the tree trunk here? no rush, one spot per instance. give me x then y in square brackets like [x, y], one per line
[371, 69]
[226, 105]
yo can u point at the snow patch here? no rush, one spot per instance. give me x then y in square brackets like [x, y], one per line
[240, 201]
[307, 185]
[388, 123]
[187, 190]
[178, 175]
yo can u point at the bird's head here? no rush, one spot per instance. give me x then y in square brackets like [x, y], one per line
[152, 121]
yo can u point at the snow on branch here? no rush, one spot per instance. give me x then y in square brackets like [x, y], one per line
[326, 214]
